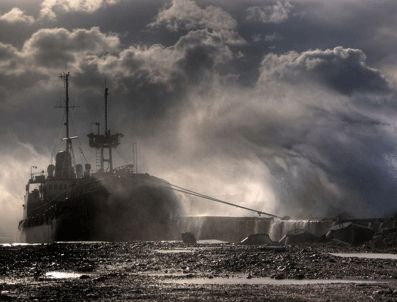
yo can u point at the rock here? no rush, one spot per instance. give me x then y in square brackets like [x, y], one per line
[6, 295]
[299, 237]
[257, 239]
[299, 276]
[86, 268]
[338, 244]
[279, 276]
[188, 238]
[84, 277]
[385, 239]
[351, 233]
[274, 248]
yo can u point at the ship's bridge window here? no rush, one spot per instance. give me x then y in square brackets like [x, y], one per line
[33, 187]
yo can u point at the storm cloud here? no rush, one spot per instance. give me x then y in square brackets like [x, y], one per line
[271, 104]
[16, 15]
[49, 8]
[276, 12]
[342, 69]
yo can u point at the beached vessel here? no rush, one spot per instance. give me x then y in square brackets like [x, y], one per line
[72, 203]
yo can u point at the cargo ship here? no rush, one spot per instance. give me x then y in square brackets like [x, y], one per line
[73, 203]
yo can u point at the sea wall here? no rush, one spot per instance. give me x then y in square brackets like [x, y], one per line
[232, 229]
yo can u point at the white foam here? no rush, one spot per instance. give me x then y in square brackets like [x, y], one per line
[63, 275]
[264, 281]
[367, 255]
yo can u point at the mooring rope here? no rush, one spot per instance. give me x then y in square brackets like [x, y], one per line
[190, 192]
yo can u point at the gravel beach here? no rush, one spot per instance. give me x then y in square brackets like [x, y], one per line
[169, 271]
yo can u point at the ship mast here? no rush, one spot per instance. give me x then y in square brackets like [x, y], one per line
[105, 142]
[65, 77]
[64, 162]
[106, 108]
[109, 159]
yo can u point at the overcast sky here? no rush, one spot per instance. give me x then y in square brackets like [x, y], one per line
[285, 106]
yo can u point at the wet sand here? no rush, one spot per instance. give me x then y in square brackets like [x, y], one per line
[170, 271]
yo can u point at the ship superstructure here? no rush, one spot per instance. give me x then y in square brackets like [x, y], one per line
[105, 142]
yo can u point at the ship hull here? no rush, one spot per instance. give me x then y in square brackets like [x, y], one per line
[109, 208]
[40, 233]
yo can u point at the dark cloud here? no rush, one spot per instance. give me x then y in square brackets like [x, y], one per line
[59, 47]
[342, 69]
[50, 8]
[14, 73]
[186, 15]
[275, 12]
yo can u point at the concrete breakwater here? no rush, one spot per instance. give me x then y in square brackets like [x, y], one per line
[279, 228]
[234, 229]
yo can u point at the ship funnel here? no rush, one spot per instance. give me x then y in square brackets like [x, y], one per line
[87, 169]
[50, 170]
[79, 171]
[63, 165]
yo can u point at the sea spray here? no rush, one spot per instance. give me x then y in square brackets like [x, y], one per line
[279, 228]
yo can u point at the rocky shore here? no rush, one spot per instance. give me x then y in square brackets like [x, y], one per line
[169, 271]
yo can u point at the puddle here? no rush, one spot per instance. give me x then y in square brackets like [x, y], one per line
[13, 281]
[53, 275]
[185, 250]
[20, 244]
[63, 275]
[200, 241]
[169, 274]
[211, 241]
[263, 281]
[81, 242]
[367, 255]
[174, 251]
[57, 242]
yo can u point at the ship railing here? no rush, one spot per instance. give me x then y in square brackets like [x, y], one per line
[46, 216]
[125, 170]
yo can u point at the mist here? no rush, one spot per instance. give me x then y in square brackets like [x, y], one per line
[267, 104]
